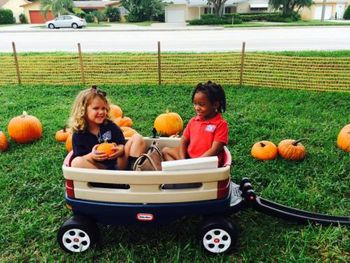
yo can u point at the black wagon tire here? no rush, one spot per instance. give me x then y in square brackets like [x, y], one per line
[218, 235]
[77, 234]
[75, 25]
[51, 26]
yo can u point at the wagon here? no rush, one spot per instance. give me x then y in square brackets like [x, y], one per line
[120, 197]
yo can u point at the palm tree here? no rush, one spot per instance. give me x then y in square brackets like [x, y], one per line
[57, 7]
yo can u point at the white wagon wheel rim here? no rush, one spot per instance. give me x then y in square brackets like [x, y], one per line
[76, 240]
[216, 240]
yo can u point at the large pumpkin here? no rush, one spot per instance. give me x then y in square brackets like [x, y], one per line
[25, 128]
[264, 150]
[343, 140]
[291, 150]
[3, 142]
[115, 111]
[169, 123]
[62, 135]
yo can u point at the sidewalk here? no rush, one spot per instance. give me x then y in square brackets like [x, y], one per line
[110, 27]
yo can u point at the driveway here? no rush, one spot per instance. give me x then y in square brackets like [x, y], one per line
[134, 38]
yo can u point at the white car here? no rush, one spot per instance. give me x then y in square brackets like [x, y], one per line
[66, 21]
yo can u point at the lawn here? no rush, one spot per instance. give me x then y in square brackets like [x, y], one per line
[32, 190]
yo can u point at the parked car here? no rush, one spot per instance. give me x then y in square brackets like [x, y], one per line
[66, 21]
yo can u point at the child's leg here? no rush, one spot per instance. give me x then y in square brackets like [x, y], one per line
[170, 154]
[82, 162]
[134, 147]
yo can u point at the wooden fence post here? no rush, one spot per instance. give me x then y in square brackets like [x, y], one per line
[159, 66]
[16, 63]
[81, 64]
[242, 65]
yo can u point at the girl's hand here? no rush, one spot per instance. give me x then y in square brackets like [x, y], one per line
[118, 151]
[98, 156]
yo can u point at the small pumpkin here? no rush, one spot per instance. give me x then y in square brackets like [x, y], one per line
[25, 128]
[4, 144]
[107, 148]
[115, 111]
[62, 135]
[123, 121]
[69, 142]
[290, 149]
[168, 124]
[128, 132]
[264, 150]
[343, 140]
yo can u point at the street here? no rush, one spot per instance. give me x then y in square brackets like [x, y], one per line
[257, 39]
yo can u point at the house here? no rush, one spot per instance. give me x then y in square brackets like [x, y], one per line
[15, 6]
[334, 9]
[180, 11]
[35, 16]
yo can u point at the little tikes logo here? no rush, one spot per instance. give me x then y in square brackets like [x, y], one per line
[210, 128]
[144, 217]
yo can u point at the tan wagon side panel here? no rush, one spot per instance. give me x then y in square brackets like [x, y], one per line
[145, 187]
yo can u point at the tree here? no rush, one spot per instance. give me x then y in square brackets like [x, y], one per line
[143, 10]
[57, 7]
[219, 6]
[113, 14]
[290, 6]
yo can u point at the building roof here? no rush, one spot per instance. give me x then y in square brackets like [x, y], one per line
[2, 2]
[200, 2]
[94, 4]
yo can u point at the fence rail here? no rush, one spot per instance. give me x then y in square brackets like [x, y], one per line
[236, 68]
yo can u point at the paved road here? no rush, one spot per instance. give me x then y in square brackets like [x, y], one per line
[257, 39]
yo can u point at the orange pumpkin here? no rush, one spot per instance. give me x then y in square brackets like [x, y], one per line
[62, 135]
[169, 123]
[107, 148]
[25, 128]
[291, 150]
[69, 142]
[123, 121]
[264, 150]
[128, 132]
[115, 111]
[343, 140]
[3, 142]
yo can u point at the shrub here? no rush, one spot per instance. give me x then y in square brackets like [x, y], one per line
[113, 14]
[99, 16]
[89, 18]
[6, 17]
[346, 15]
[209, 19]
[23, 19]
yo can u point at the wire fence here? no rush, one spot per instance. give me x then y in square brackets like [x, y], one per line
[235, 68]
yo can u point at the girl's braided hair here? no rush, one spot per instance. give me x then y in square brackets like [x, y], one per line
[214, 92]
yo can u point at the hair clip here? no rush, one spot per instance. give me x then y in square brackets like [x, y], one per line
[94, 89]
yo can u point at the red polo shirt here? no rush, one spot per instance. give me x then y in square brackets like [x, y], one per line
[202, 133]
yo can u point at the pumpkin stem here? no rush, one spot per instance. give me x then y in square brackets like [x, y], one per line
[295, 143]
[262, 144]
[24, 114]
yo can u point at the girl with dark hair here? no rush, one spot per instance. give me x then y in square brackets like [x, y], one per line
[206, 134]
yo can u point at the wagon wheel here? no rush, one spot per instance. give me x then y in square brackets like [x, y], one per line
[218, 235]
[77, 234]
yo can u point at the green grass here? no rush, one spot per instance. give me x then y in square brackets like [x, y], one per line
[285, 24]
[32, 192]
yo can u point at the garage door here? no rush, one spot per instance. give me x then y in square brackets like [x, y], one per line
[176, 16]
[37, 17]
[327, 13]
